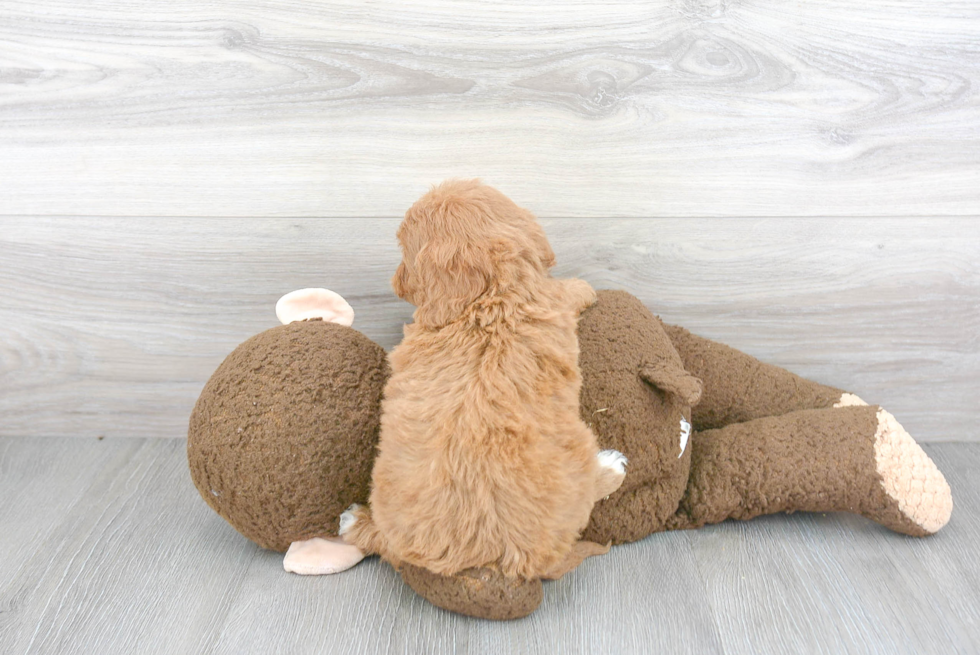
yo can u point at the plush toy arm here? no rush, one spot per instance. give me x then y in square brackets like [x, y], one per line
[854, 459]
[738, 387]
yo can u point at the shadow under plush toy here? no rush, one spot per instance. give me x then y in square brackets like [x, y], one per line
[283, 438]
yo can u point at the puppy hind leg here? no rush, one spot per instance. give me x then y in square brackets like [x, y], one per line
[359, 529]
[610, 474]
[579, 552]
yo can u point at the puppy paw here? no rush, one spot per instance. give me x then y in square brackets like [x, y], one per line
[348, 519]
[612, 472]
[613, 459]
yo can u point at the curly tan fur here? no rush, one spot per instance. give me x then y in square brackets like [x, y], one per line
[482, 457]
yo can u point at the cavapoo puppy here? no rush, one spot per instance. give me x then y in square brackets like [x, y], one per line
[483, 459]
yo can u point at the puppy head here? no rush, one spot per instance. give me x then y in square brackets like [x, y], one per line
[462, 241]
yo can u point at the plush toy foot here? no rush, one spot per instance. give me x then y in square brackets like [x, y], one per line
[318, 556]
[910, 480]
[853, 458]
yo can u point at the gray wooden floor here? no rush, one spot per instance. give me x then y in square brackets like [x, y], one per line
[107, 548]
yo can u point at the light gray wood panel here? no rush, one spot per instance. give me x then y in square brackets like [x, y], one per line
[369, 610]
[836, 583]
[947, 577]
[632, 108]
[41, 482]
[112, 326]
[119, 322]
[139, 563]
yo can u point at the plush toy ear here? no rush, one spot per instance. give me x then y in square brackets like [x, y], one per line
[306, 304]
[671, 377]
[451, 275]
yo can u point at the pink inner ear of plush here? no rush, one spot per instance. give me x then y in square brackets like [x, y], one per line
[305, 304]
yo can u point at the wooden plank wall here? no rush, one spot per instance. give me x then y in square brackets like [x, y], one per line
[579, 108]
[800, 180]
[110, 326]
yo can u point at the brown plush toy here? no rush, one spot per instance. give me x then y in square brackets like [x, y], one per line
[283, 436]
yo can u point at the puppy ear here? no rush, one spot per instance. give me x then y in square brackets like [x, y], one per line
[539, 242]
[399, 282]
[450, 276]
[544, 249]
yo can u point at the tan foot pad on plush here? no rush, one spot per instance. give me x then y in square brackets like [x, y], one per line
[318, 556]
[910, 477]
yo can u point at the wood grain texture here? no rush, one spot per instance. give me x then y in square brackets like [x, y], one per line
[112, 326]
[627, 108]
[849, 577]
[128, 570]
[134, 561]
[40, 488]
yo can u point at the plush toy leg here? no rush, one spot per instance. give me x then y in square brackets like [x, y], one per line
[318, 556]
[486, 593]
[739, 388]
[855, 459]
[482, 592]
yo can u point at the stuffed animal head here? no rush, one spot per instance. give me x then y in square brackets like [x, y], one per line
[282, 438]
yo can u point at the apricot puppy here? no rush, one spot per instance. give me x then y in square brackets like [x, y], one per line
[483, 459]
